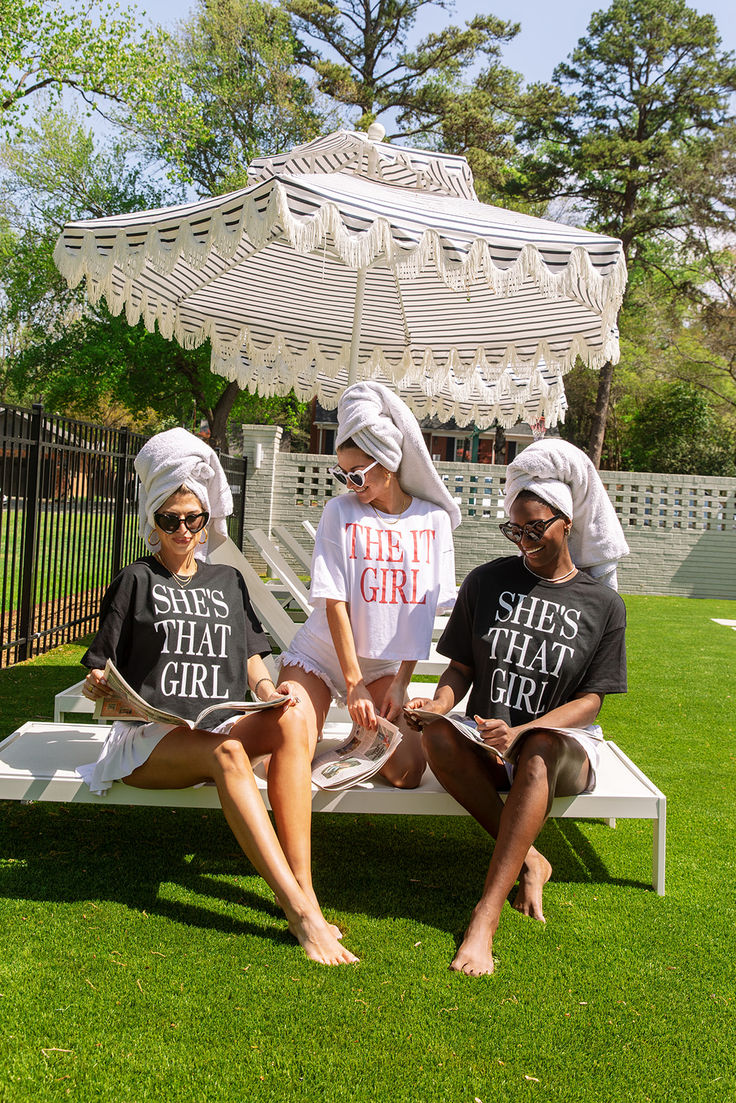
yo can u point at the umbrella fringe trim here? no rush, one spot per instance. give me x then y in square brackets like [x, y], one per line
[164, 247]
[508, 399]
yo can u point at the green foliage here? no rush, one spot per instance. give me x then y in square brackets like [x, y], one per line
[637, 148]
[285, 410]
[97, 51]
[79, 359]
[676, 431]
[651, 89]
[377, 72]
[237, 62]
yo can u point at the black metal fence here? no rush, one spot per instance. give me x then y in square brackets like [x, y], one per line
[68, 523]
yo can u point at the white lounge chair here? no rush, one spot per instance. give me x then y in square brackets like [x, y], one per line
[37, 762]
[302, 555]
[276, 561]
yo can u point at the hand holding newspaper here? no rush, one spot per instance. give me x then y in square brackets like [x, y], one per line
[129, 705]
[360, 757]
[465, 725]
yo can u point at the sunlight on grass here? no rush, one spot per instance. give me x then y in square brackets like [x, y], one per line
[142, 959]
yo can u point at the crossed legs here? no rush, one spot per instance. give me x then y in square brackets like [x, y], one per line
[548, 765]
[185, 757]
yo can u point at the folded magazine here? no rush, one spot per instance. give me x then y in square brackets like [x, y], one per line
[466, 726]
[360, 757]
[129, 705]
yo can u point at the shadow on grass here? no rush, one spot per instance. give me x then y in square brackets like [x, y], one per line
[590, 860]
[62, 854]
[184, 864]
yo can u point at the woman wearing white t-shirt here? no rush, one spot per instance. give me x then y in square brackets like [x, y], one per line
[383, 565]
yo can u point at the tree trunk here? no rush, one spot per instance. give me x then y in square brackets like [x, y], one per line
[218, 417]
[598, 428]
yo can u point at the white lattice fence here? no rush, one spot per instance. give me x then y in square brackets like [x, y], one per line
[681, 529]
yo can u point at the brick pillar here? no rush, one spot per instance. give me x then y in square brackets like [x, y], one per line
[261, 448]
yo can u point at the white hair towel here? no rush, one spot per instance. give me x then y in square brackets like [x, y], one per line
[178, 458]
[566, 478]
[384, 427]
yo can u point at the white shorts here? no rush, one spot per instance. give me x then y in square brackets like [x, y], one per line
[318, 656]
[128, 745]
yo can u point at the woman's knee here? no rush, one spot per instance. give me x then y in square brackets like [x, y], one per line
[540, 756]
[407, 771]
[229, 757]
[438, 741]
[296, 729]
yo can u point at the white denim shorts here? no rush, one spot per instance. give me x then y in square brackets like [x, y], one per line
[318, 656]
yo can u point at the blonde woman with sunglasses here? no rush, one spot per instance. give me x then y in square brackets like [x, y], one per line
[383, 565]
[183, 634]
[539, 643]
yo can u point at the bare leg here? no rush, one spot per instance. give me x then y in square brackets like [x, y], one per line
[290, 740]
[184, 758]
[547, 764]
[407, 764]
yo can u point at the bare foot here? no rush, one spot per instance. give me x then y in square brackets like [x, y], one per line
[475, 955]
[310, 895]
[317, 940]
[535, 873]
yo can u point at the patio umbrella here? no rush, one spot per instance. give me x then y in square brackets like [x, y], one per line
[350, 258]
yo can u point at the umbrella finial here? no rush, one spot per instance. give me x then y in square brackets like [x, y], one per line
[376, 132]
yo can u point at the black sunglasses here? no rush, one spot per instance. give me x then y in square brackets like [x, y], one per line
[533, 531]
[170, 522]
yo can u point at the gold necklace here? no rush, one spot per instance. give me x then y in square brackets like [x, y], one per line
[383, 517]
[560, 578]
[182, 580]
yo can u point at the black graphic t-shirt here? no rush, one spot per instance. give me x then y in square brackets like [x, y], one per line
[180, 648]
[533, 644]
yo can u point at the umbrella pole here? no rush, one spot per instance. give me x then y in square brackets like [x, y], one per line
[357, 320]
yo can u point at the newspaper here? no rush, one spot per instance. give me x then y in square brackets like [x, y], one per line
[466, 726]
[129, 705]
[360, 757]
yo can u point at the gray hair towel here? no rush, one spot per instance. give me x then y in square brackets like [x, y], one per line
[385, 428]
[178, 458]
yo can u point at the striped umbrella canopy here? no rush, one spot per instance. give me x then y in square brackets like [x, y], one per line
[351, 258]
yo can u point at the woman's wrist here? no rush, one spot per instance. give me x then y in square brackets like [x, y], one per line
[444, 702]
[352, 683]
[402, 679]
[269, 693]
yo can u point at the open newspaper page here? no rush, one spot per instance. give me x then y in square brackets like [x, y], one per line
[462, 723]
[129, 705]
[360, 757]
[467, 727]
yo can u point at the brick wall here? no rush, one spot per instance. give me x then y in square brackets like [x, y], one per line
[681, 528]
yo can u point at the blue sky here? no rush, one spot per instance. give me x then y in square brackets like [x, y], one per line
[548, 33]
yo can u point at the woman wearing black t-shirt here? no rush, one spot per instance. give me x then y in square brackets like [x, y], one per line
[540, 643]
[183, 634]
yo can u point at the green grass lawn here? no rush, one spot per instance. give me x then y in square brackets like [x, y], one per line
[64, 537]
[140, 959]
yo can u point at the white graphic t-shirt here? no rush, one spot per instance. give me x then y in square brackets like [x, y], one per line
[393, 572]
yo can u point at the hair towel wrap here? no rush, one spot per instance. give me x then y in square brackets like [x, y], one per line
[566, 478]
[385, 428]
[178, 458]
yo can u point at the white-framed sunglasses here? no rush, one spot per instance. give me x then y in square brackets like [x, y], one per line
[354, 478]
